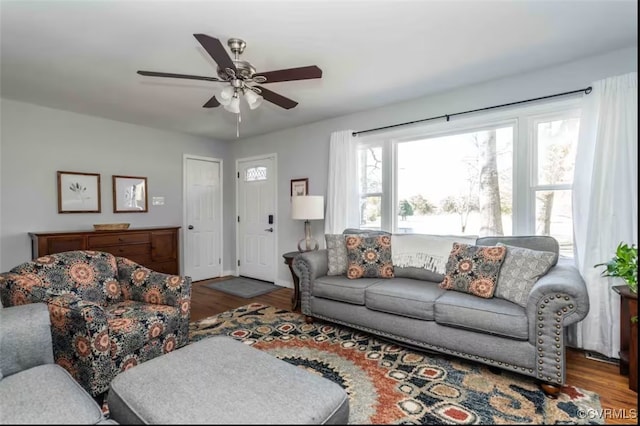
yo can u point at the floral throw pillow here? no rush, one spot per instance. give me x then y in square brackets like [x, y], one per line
[474, 269]
[369, 256]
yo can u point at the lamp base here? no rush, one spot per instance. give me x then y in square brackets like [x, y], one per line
[307, 243]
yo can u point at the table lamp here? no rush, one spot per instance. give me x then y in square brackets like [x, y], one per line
[307, 207]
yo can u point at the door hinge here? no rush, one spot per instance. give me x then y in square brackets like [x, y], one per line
[238, 262]
[238, 219]
[238, 175]
[219, 261]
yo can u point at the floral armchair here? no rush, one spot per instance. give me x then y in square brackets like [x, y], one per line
[107, 313]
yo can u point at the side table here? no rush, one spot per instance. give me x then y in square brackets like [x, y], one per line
[628, 335]
[288, 260]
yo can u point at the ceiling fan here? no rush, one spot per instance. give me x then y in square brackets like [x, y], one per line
[241, 77]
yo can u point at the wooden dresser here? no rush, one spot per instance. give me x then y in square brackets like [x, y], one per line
[156, 248]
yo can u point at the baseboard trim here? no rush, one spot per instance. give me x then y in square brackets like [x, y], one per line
[599, 357]
[284, 283]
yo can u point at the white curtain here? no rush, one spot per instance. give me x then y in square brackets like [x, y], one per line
[605, 202]
[342, 185]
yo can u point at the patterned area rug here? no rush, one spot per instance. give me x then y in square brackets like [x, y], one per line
[389, 384]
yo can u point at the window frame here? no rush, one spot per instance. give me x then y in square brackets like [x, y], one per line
[521, 118]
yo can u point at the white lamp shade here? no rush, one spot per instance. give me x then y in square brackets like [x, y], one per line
[253, 99]
[234, 105]
[307, 207]
[226, 95]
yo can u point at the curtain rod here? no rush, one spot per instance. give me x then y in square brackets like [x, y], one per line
[586, 91]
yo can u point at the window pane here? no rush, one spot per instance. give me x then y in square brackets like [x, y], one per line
[371, 212]
[255, 173]
[553, 217]
[370, 170]
[458, 184]
[557, 141]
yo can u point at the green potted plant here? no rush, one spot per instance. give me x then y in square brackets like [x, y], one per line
[624, 265]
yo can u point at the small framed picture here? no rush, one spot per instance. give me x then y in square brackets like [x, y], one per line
[78, 192]
[299, 187]
[129, 194]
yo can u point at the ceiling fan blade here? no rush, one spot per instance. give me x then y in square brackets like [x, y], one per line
[289, 74]
[277, 99]
[166, 74]
[216, 50]
[211, 103]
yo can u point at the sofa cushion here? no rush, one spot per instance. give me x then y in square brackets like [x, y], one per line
[492, 316]
[404, 296]
[531, 242]
[336, 254]
[46, 394]
[474, 269]
[133, 324]
[369, 256]
[342, 289]
[520, 271]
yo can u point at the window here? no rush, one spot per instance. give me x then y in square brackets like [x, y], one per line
[456, 184]
[370, 177]
[555, 140]
[255, 173]
[508, 173]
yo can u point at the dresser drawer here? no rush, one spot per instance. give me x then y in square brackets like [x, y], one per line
[127, 250]
[96, 241]
[165, 267]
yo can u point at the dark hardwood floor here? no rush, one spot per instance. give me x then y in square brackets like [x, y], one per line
[617, 400]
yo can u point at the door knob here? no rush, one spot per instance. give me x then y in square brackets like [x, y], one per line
[190, 227]
[269, 229]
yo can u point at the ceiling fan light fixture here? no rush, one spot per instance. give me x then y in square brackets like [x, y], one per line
[226, 95]
[233, 105]
[253, 99]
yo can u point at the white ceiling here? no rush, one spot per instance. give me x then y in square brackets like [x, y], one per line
[82, 56]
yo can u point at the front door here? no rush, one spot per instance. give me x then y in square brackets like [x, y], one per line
[203, 214]
[256, 218]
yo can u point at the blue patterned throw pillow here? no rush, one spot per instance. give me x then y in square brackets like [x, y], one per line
[474, 269]
[369, 256]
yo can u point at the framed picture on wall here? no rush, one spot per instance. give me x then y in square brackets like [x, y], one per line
[78, 192]
[299, 187]
[129, 194]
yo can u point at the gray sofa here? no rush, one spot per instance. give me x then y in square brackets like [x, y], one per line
[34, 390]
[529, 340]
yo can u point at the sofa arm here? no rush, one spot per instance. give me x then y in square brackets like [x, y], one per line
[156, 288]
[25, 338]
[557, 300]
[81, 339]
[308, 266]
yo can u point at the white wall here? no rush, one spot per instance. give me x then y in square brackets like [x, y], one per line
[38, 141]
[303, 151]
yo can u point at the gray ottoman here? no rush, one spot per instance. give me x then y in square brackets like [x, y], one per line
[220, 380]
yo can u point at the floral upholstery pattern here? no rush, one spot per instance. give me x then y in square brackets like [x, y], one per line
[107, 313]
[474, 269]
[369, 256]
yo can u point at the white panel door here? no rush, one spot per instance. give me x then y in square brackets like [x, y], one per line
[256, 209]
[203, 236]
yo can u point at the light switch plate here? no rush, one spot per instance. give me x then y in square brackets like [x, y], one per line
[158, 201]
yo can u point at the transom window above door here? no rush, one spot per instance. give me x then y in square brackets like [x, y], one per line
[255, 173]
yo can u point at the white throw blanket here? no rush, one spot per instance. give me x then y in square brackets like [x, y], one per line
[425, 251]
